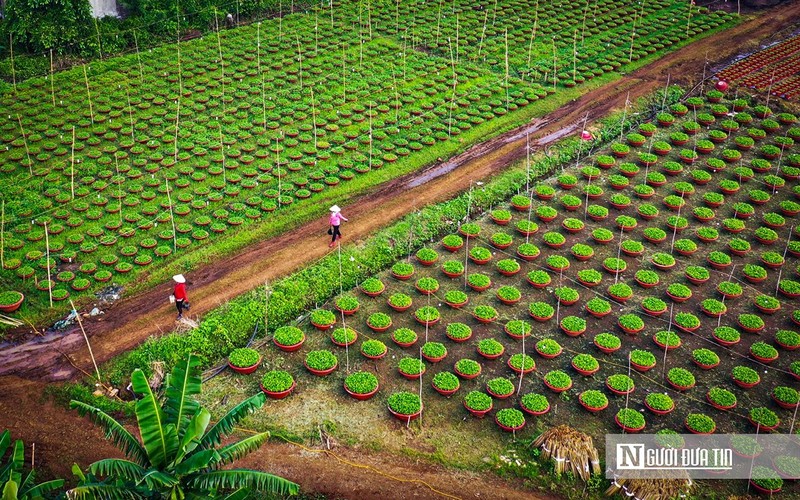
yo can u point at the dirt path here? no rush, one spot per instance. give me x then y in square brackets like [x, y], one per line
[132, 320]
[61, 437]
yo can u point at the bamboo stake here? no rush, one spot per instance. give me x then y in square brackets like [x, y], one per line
[574, 55]
[456, 38]
[300, 59]
[370, 135]
[130, 113]
[506, 83]
[438, 22]
[344, 74]
[666, 91]
[619, 250]
[47, 250]
[369, 18]
[533, 34]
[13, 73]
[555, 64]
[86, 338]
[267, 295]
[222, 148]
[3, 234]
[314, 116]
[344, 324]
[396, 95]
[666, 345]
[99, 42]
[52, 77]
[119, 189]
[177, 124]
[72, 166]
[689, 18]
[221, 61]
[88, 93]
[25, 141]
[172, 219]
[483, 33]
[138, 57]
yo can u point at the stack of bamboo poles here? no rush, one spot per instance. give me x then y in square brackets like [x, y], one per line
[571, 451]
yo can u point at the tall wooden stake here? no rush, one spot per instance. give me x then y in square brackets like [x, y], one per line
[72, 166]
[47, 251]
[88, 93]
[25, 141]
[3, 234]
[172, 219]
[86, 338]
[52, 76]
[13, 73]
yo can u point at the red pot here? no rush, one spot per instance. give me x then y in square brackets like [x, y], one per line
[443, 392]
[686, 424]
[361, 397]
[9, 308]
[278, 394]
[641, 368]
[557, 389]
[590, 408]
[411, 376]
[478, 413]
[321, 373]
[746, 385]
[246, 370]
[631, 430]
[534, 413]
[499, 396]
[491, 356]
[509, 429]
[585, 373]
[607, 350]
[658, 412]
[465, 376]
[322, 328]
[406, 418]
[289, 348]
[348, 312]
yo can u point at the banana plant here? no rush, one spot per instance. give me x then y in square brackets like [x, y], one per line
[179, 456]
[14, 487]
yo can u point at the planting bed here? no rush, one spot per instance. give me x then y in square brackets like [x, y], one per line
[773, 69]
[130, 163]
[689, 352]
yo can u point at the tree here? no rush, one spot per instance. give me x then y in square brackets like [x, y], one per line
[11, 472]
[66, 26]
[179, 456]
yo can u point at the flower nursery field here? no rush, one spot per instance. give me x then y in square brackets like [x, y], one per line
[126, 169]
[675, 284]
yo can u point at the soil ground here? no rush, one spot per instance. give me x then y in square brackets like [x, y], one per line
[61, 437]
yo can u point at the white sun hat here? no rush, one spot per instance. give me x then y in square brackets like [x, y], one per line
[179, 278]
[335, 209]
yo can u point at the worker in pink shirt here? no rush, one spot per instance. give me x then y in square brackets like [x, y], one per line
[335, 220]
